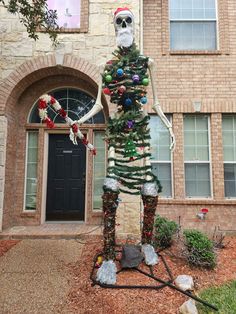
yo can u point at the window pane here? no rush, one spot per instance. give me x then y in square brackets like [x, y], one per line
[68, 12]
[193, 35]
[196, 9]
[229, 137]
[230, 180]
[163, 172]
[196, 143]
[31, 171]
[160, 140]
[99, 170]
[197, 180]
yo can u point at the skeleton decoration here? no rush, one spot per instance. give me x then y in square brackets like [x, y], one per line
[124, 79]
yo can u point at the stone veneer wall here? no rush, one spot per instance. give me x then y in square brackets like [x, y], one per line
[93, 43]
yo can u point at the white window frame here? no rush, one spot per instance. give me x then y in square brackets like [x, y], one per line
[26, 168]
[201, 162]
[228, 162]
[216, 20]
[166, 162]
[98, 210]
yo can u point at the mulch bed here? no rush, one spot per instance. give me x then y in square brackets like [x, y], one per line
[83, 298]
[6, 245]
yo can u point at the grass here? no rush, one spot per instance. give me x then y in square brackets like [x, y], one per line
[223, 297]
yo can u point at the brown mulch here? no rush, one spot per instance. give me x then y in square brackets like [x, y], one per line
[83, 298]
[6, 245]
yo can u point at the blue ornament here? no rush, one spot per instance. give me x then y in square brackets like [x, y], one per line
[128, 102]
[120, 72]
[143, 100]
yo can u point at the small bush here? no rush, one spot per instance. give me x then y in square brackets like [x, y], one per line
[164, 231]
[200, 250]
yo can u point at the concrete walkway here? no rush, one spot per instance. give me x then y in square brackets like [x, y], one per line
[34, 277]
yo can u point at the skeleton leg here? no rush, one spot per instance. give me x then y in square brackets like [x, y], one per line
[150, 198]
[107, 272]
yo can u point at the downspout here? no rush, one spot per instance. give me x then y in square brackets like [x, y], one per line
[141, 26]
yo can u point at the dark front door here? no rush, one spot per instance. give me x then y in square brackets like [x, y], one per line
[66, 179]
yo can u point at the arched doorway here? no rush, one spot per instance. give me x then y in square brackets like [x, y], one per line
[69, 184]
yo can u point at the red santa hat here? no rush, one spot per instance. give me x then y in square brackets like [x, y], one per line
[123, 11]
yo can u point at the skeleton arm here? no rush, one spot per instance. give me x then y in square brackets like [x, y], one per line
[156, 106]
[98, 104]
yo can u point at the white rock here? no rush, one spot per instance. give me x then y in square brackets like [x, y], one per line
[184, 282]
[107, 273]
[188, 307]
[150, 255]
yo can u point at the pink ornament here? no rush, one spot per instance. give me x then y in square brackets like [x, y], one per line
[122, 89]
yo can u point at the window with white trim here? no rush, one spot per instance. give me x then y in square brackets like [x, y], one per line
[193, 24]
[229, 148]
[161, 155]
[197, 156]
[68, 12]
[31, 170]
[99, 169]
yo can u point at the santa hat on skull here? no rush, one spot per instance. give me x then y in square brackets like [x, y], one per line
[123, 11]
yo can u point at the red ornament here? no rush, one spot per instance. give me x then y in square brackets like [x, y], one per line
[53, 100]
[204, 210]
[74, 128]
[62, 113]
[106, 91]
[42, 104]
[131, 159]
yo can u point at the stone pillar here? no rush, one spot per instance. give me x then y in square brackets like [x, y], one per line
[3, 142]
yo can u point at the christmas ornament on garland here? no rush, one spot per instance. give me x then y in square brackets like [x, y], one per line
[47, 100]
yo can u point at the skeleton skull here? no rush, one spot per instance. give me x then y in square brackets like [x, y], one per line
[124, 27]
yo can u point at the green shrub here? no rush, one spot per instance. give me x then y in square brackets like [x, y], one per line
[164, 231]
[200, 249]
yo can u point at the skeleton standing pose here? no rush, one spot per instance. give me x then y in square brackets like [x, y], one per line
[125, 78]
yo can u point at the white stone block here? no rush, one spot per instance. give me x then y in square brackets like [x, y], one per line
[184, 282]
[188, 307]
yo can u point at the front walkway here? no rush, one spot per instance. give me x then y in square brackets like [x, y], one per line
[34, 276]
[51, 231]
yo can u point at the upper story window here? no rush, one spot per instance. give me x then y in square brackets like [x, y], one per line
[72, 14]
[161, 156]
[68, 12]
[193, 24]
[229, 147]
[197, 156]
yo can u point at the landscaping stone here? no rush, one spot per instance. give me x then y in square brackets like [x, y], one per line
[184, 282]
[188, 307]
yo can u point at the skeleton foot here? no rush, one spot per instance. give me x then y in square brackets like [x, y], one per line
[107, 273]
[150, 255]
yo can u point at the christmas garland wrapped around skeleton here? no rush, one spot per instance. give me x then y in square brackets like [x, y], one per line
[125, 79]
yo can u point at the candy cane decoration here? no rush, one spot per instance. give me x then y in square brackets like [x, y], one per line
[47, 100]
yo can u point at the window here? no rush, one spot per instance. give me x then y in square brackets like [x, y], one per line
[68, 12]
[193, 24]
[197, 156]
[99, 169]
[31, 170]
[75, 102]
[229, 147]
[161, 155]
